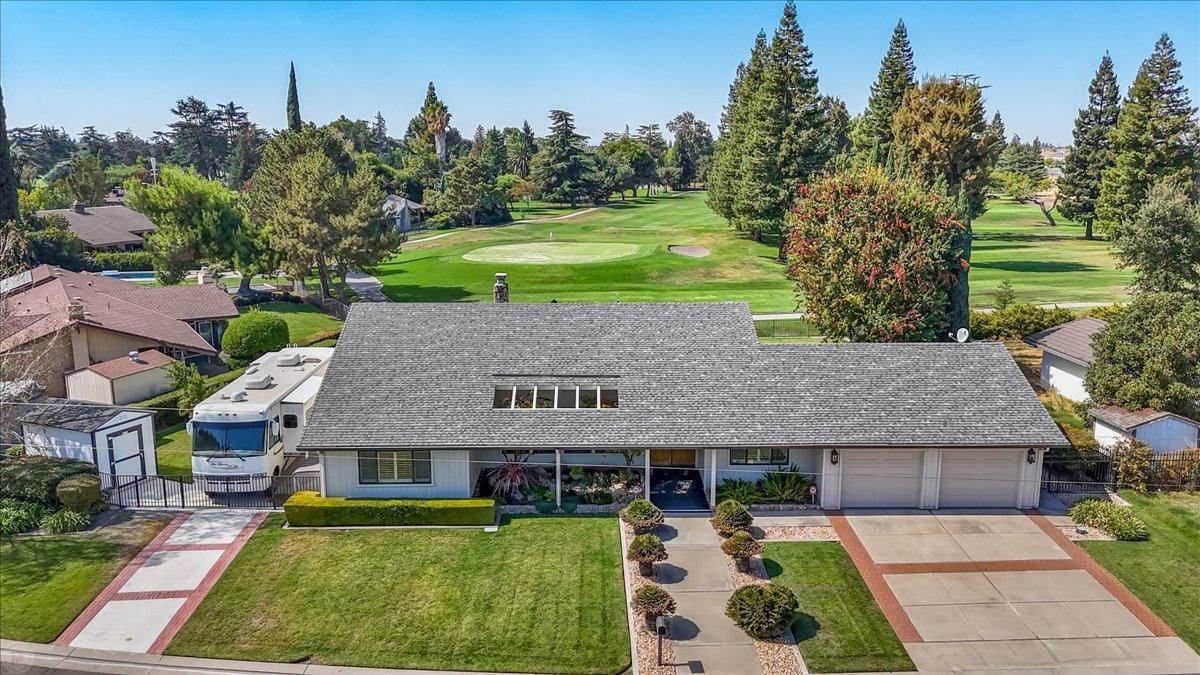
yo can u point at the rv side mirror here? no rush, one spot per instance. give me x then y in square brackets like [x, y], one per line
[275, 428]
[188, 426]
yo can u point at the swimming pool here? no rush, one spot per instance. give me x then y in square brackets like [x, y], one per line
[130, 276]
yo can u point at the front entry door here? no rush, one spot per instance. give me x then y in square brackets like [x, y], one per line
[673, 457]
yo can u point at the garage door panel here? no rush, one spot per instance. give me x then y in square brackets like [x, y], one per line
[881, 478]
[980, 478]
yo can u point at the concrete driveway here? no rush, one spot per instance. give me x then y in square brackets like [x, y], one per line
[975, 590]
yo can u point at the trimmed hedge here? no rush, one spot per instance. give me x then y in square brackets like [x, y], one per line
[1016, 321]
[1112, 519]
[33, 478]
[167, 416]
[310, 509]
[319, 336]
[121, 261]
[253, 334]
[79, 493]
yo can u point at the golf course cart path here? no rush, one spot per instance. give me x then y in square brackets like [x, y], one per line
[147, 603]
[365, 286]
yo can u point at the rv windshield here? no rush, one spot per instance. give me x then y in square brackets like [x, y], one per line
[216, 439]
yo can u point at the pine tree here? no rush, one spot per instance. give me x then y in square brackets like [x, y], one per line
[1090, 156]
[494, 153]
[1022, 158]
[1000, 139]
[1161, 243]
[1153, 140]
[8, 178]
[293, 102]
[559, 167]
[897, 74]
[467, 188]
[725, 174]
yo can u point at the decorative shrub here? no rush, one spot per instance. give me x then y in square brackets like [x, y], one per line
[741, 547]
[1132, 460]
[320, 336]
[310, 509]
[1115, 520]
[544, 507]
[17, 516]
[570, 505]
[762, 611]
[122, 261]
[32, 478]
[731, 517]
[253, 334]
[738, 490]
[67, 520]
[80, 492]
[787, 485]
[645, 550]
[1016, 321]
[652, 602]
[642, 516]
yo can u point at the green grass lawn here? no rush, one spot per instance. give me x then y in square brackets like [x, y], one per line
[1044, 264]
[173, 451]
[1164, 571]
[541, 595]
[840, 629]
[45, 582]
[302, 318]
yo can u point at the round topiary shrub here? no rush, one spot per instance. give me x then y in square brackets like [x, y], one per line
[762, 611]
[652, 602]
[253, 334]
[731, 517]
[741, 547]
[642, 516]
[79, 493]
[645, 550]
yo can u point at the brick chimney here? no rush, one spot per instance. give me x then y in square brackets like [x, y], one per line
[77, 207]
[500, 288]
[75, 309]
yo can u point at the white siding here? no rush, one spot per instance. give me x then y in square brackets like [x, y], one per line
[1064, 376]
[87, 385]
[129, 433]
[451, 477]
[54, 442]
[1107, 436]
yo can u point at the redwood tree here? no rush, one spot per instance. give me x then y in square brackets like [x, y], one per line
[874, 257]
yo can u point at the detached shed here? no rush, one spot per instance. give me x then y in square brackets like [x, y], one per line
[119, 381]
[1162, 431]
[119, 441]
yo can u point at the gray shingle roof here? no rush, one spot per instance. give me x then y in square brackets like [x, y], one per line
[423, 375]
[65, 413]
[1071, 340]
[102, 226]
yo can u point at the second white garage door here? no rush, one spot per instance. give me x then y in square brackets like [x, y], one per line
[881, 478]
[980, 478]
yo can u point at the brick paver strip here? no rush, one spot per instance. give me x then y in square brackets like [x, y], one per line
[892, 610]
[206, 584]
[115, 585]
[1106, 579]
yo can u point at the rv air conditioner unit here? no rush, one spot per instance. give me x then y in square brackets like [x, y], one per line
[259, 381]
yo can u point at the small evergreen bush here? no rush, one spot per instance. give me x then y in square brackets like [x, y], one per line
[1112, 519]
[645, 550]
[652, 602]
[80, 492]
[738, 490]
[731, 517]
[67, 520]
[253, 334]
[642, 516]
[741, 547]
[762, 611]
[32, 478]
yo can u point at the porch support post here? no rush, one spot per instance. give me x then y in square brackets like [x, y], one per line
[712, 477]
[646, 483]
[558, 477]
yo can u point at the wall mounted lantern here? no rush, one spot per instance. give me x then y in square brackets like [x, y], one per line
[833, 457]
[1031, 456]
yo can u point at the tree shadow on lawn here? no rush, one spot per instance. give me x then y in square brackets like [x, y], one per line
[1034, 266]
[413, 293]
[985, 236]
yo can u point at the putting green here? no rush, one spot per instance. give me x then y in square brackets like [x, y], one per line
[553, 253]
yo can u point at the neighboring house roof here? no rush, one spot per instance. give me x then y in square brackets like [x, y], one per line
[1128, 420]
[424, 374]
[65, 413]
[56, 298]
[1071, 340]
[100, 226]
[393, 205]
[124, 366]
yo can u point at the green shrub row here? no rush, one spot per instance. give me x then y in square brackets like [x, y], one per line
[762, 611]
[167, 415]
[1017, 321]
[310, 509]
[1112, 519]
[322, 336]
[80, 492]
[33, 478]
[122, 261]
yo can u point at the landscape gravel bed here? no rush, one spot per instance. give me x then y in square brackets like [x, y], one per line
[796, 533]
[778, 655]
[645, 641]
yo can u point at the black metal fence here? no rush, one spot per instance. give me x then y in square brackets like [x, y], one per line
[187, 492]
[1095, 473]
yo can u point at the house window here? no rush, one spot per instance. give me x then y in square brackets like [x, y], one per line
[503, 397]
[608, 397]
[395, 466]
[566, 397]
[524, 397]
[545, 396]
[290, 421]
[552, 397]
[588, 397]
[759, 456]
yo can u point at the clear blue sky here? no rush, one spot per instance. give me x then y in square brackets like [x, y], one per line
[123, 65]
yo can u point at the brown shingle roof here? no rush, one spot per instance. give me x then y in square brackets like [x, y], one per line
[125, 366]
[1128, 420]
[1072, 340]
[102, 226]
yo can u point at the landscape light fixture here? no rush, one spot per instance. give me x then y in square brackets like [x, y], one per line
[1031, 456]
[833, 457]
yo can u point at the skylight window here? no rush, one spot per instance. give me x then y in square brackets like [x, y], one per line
[554, 397]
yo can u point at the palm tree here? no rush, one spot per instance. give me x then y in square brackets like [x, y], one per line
[437, 119]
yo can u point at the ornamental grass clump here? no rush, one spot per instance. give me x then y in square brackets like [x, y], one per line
[741, 547]
[645, 550]
[67, 520]
[642, 516]
[731, 517]
[17, 516]
[652, 602]
[1114, 520]
[762, 611]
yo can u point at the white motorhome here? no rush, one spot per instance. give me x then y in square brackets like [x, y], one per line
[248, 429]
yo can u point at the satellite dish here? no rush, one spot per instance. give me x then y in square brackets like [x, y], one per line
[962, 334]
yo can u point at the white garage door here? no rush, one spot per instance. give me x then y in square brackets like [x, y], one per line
[980, 478]
[881, 478]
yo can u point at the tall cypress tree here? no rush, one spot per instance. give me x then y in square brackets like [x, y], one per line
[999, 138]
[1080, 183]
[293, 102]
[8, 178]
[725, 174]
[1153, 139]
[897, 74]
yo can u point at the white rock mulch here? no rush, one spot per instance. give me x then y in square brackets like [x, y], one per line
[645, 641]
[796, 533]
[1083, 533]
[778, 655]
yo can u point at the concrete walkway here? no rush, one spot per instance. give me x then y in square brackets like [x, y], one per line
[365, 286]
[696, 575]
[147, 603]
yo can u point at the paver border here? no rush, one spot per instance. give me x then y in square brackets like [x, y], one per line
[871, 573]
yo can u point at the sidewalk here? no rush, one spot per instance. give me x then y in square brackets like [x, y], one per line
[147, 603]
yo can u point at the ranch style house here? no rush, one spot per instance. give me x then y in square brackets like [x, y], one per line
[420, 398]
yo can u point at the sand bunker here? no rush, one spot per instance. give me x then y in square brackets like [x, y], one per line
[553, 253]
[689, 251]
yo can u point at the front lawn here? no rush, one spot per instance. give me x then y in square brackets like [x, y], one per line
[303, 319]
[840, 629]
[544, 594]
[1163, 571]
[173, 451]
[45, 582]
